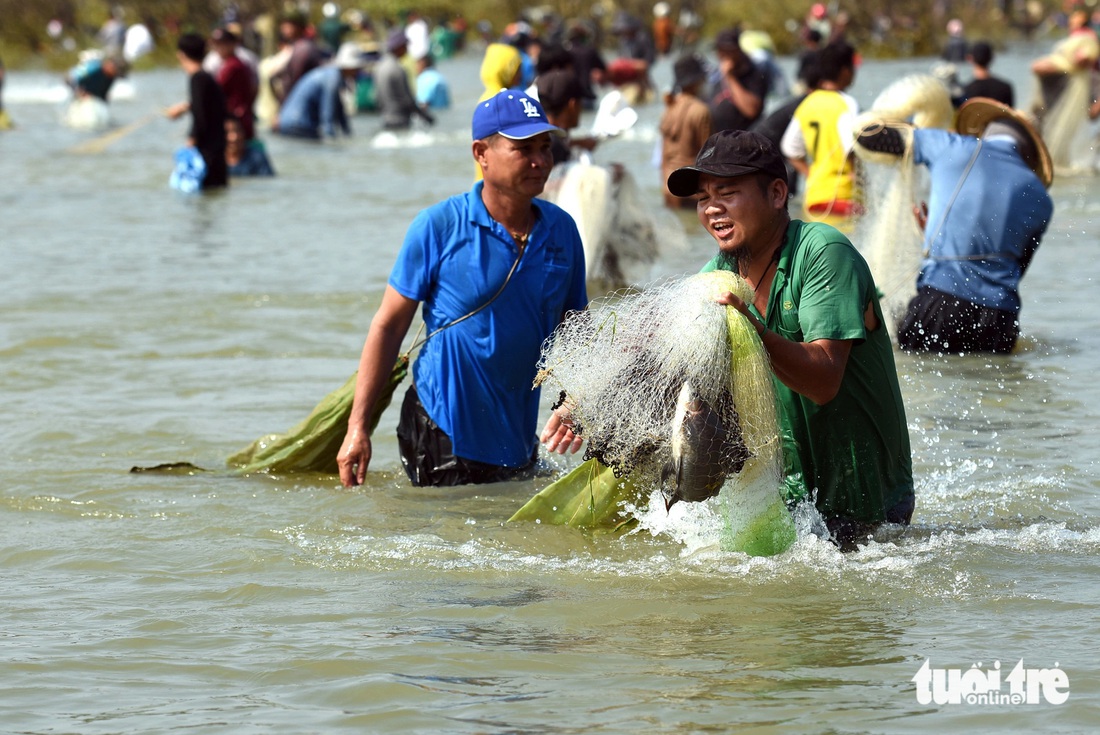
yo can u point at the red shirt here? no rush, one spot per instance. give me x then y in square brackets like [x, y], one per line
[239, 86]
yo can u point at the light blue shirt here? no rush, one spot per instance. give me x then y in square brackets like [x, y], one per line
[313, 107]
[979, 233]
[475, 377]
[432, 90]
[527, 70]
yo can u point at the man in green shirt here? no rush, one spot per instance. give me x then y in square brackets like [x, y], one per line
[845, 440]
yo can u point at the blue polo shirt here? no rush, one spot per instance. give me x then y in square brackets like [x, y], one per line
[475, 378]
[978, 232]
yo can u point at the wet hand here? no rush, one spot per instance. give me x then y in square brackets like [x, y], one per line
[353, 458]
[731, 299]
[558, 435]
[586, 143]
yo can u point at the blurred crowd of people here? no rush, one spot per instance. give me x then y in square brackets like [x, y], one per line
[306, 77]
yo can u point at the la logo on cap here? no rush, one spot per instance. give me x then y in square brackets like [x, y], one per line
[529, 109]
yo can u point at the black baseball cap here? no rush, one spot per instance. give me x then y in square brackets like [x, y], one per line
[729, 153]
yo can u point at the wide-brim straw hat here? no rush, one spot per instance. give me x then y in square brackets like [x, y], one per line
[976, 113]
[349, 56]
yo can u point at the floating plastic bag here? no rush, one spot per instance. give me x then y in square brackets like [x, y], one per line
[189, 172]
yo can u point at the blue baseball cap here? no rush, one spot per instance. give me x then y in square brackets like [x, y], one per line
[514, 114]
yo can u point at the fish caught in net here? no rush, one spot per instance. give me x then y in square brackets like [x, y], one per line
[707, 447]
[648, 382]
[673, 394]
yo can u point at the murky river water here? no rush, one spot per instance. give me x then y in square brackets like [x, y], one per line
[140, 326]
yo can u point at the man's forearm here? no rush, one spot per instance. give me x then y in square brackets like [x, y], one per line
[387, 330]
[375, 365]
[811, 369]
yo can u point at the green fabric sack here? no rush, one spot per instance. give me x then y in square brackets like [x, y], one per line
[590, 496]
[312, 445]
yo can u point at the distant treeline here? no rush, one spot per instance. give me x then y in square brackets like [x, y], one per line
[875, 27]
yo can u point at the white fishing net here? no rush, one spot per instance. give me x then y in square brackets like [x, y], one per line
[888, 236]
[620, 367]
[586, 193]
[1061, 109]
[920, 99]
[622, 233]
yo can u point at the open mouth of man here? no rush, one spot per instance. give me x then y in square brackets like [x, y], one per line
[722, 229]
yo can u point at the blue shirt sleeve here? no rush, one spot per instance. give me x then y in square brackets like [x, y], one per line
[414, 271]
[929, 144]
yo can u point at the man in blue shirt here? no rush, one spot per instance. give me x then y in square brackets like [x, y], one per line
[431, 88]
[988, 210]
[313, 109]
[497, 269]
[95, 77]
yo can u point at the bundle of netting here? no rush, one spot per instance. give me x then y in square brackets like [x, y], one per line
[625, 367]
[623, 236]
[889, 236]
[919, 99]
[640, 235]
[1060, 107]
